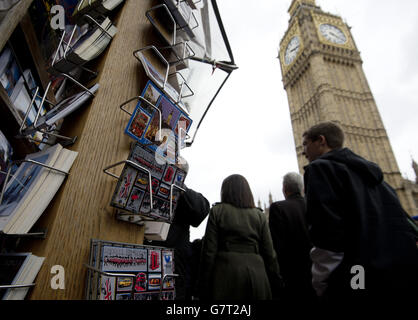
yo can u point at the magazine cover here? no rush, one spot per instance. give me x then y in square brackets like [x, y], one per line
[137, 272]
[144, 124]
[132, 193]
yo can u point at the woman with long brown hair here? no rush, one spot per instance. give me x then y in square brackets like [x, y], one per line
[238, 260]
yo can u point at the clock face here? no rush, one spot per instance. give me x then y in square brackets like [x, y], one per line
[332, 33]
[291, 50]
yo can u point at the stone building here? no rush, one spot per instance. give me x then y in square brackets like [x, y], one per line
[324, 80]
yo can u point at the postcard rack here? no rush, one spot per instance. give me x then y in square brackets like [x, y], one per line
[128, 275]
[140, 168]
[24, 130]
[162, 81]
[113, 275]
[89, 11]
[65, 46]
[139, 98]
[185, 25]
[182, 132]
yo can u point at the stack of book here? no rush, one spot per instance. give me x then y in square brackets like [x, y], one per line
[122, 271]
[88, 47]
[18, 269]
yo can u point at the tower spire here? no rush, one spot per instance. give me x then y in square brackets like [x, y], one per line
[297, 3]
[415, 167]
[317, 47]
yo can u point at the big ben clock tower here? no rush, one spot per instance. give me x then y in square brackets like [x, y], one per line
[324, 80]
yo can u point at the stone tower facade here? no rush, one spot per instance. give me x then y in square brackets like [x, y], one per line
[324, 79]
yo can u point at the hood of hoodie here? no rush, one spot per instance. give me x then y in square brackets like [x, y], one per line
[368, 170]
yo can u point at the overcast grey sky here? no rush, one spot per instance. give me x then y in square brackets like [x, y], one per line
[248, 128]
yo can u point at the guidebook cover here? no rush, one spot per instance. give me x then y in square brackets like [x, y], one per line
[132, 193]
[147, 263]
[145, 122]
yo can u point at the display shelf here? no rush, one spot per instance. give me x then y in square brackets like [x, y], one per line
[80, 210]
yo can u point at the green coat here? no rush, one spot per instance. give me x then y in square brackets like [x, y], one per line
[238, 260]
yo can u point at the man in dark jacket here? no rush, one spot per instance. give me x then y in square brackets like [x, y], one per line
[363, 244]
[192, 208]
[289, 232]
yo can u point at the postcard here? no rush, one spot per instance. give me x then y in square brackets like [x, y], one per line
[123, 260]
[132, 192]
[155, 127]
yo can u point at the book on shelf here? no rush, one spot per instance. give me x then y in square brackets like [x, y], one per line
[64, 108]
[144, 125]
[154, 71]
[6, 152]
[87, 48]
[32, 187]
[15, 269]
[137, 272]
[132, 193]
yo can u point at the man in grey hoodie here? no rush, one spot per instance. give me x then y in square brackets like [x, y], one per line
[364, 246]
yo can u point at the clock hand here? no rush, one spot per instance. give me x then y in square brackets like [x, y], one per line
[336, 36]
